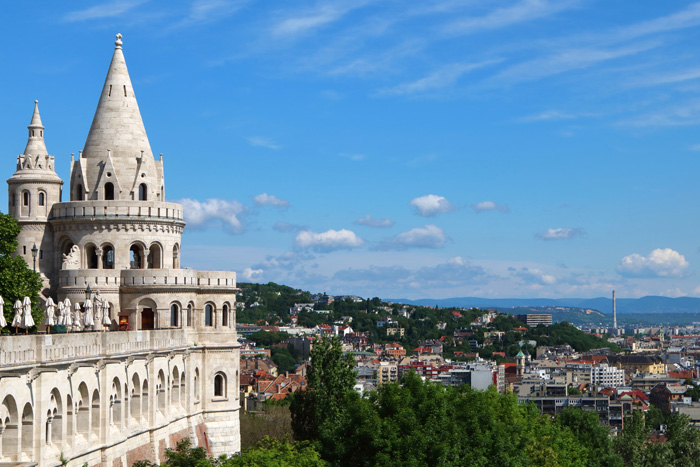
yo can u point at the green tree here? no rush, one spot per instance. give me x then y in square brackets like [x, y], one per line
[271, 452]
[328, 379]
[592, 436]
[16, 279]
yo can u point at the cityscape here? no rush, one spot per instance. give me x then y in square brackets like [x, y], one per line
[350, 233]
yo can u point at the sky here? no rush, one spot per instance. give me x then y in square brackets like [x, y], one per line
[400, 149]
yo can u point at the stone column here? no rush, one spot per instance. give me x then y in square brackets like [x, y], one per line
[98, 252]
[144, 261]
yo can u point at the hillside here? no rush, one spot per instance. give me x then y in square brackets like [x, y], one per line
[649, 304]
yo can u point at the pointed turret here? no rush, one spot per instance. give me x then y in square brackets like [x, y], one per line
[118, 139]
[35, 142]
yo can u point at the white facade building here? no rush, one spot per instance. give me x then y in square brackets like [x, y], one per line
[112, 398]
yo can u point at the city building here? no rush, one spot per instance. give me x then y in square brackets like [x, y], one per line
[533, 319]
[166, 366]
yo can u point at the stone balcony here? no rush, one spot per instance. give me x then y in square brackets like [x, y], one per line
[18, 351]
[146, 278]
[123, 210]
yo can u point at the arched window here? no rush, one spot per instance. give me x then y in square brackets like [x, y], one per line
[109, 191]
[174, 313]
[143, 192]
[91, 256]
[208, 315]
[42, 198]
[224, 315]
[220, 385]
[134, 257]
[176, 256]
[79, 192]
[107, 257]
[189, 315]
[25, 198]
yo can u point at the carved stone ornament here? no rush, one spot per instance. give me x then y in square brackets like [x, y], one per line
[72, 259]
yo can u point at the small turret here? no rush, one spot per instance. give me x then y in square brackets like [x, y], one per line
[32, 191]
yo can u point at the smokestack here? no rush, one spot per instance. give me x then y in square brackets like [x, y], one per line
[614, 312]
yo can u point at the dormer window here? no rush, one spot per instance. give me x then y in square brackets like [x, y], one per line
[109, 191]
[143, 192]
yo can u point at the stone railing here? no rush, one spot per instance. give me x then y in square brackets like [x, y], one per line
[18, 350]
[177, 277]
[122, 210]
[146, 278]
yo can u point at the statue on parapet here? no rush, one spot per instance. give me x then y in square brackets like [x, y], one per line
[72, 259]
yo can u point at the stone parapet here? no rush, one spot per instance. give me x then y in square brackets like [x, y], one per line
[80, 278]
[123, 210]
[22, 351]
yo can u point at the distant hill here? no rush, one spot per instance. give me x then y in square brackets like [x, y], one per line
[649, 304]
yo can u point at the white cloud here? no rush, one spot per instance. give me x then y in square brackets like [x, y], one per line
[200, 214]
[429, 236]
[431, 205]
[264, 199]
[442, 78]
[662, 262]
[547, 115]
[323, 15]
[105, 10]
[525, 10]
[259, 141]
[328, 241]
[535, 277]
[485, 206]
[370, 221]
[559, 233]
[251, 275]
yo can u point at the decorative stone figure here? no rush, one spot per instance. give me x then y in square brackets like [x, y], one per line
[72, 259]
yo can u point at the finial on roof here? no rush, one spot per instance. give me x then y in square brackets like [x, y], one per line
[118, 43]
[36, 101]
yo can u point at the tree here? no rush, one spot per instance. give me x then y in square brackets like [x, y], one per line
[593, 437]
[329, 379]
[16, 279]
[271, 452]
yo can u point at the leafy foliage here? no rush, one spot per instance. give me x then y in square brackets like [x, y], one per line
[16, 279]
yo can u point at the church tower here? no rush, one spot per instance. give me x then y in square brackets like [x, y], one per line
[32, 191]
[117, 162]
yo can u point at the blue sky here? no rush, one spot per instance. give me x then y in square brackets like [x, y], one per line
[514, 148]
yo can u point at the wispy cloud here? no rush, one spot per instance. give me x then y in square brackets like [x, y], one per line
[559, 233]
[526, 10]
[285, 227]
[686, 113]
[261, 142]
[370, 221]
[429, 236]
[312, 19]
[547, 115]
[213, 211]
[485, 206]
[206, 11]
[105, 10]
[535, 277]
[568, 60]
[439, 79]
[264, 199]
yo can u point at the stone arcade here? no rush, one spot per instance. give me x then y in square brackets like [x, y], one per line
[111, 398]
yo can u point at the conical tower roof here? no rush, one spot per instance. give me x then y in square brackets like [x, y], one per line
[117, 149]
[35, 142]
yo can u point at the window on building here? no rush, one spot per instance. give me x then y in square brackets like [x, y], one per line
[109, 191]
[134, 257]
[189, 315]
[107, 257]
[219, 385]
[174, 313]
[224, 315]
[42, 199]
[208, 315]
[25, 198]
[143, 192]
[79, 192]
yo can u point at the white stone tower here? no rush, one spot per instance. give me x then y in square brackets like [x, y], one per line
[32, 191]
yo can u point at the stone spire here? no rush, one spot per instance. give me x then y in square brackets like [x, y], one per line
[117, 136]
[35, 142]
